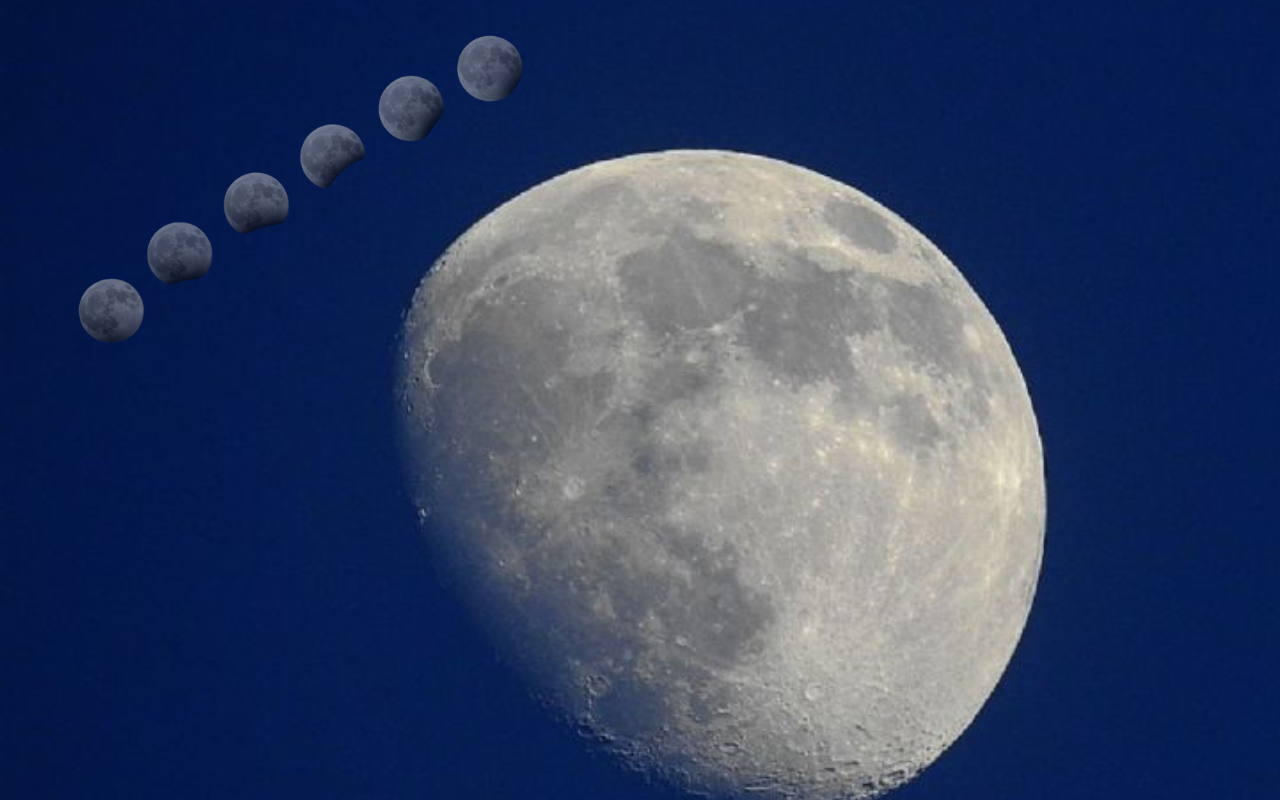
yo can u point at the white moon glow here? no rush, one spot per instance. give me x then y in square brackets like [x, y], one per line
[737, 465]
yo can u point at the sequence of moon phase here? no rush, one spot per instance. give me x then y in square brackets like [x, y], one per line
[731, 460]
[734, 464]
[489, 68]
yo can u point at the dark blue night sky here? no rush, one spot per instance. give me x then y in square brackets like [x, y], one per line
[211, 581]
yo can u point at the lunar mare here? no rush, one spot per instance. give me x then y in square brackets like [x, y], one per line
[735, 464]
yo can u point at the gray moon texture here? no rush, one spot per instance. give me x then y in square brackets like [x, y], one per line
[255, 201]
[327, 151]
[735, 466]
[489, 68]
[111, 310]
[179, 252]
[410, 107]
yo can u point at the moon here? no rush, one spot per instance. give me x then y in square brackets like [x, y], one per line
[111, 310]
[410, 107]
[255, 200]
[327, 151]
[179, 252]
[735, 466]
[489, 68]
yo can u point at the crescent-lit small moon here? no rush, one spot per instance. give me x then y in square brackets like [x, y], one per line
[735, 463]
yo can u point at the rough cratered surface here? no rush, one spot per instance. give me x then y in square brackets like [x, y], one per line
[111, 310]
[736, 464]
[179, 252]
[409, 108]
[327, 151]
[489, 68]
[255, 201]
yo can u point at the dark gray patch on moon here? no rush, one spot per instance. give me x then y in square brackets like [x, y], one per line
[708, 279]
[327, 151]
[717, 618]
[511, 349]
[931, 326]
[627, 488]
[677, 379]
[179, 252]
[912, 422]
[671, 620]
[629, 706]
[410, 107]
[674, 377]
[111, 310]
[860, 225]
[699, 611]
[654, 457]
[255, 201]
[798, 325]
[922, 318]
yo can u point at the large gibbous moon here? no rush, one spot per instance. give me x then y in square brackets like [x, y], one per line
[735, 463]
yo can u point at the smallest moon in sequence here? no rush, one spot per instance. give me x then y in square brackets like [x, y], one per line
[255, 201]
[111, 310]
[410, 107]
[327, 151]
[489, 68]
[179, 252]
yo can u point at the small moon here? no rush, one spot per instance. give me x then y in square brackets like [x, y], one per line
[179, 252]
[489, 68]
[255, 201]
[111, 310]
[327, 151]
[410, 107]
[734, 464]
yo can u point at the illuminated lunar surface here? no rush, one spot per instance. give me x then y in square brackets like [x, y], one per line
[489, 68]
[179, 252]
[410, 107]
[111, 310]
[736, 466]
[327, 151]
[254, 201]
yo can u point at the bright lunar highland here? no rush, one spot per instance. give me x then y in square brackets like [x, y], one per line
[736, 465]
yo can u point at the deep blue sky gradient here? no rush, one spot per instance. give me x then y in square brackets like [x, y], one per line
[211, 584]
